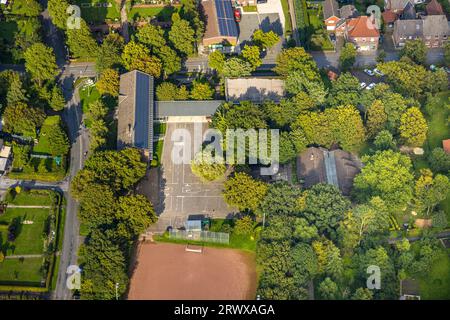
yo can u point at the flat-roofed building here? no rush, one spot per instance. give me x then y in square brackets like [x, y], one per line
[254, 89]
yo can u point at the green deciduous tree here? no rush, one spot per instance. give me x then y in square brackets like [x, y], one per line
[413, 127]
[58, 12]
[171, 62]
[136, 56]
[325, 207]
[328, 289]
[201, 90]
[152, 36]
[109, 53]
[384, 141]
[347, 57]
[429, 190]
[22, 119]
[281, 199]
[109, 83]
[216, 60]
[57, 101]
[182, 35]
[265, 40]
[134, 214]
[252, 55]
[236, 67]
[244, 192]
[376, 118]
[386, 174]
[208, 166]
[415, 50]
[80, 42]
[40, 62]
[439, 160]
[297, 59]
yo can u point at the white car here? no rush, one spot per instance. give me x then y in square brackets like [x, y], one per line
[371, 86]
[369, 72]
[362, 85]
[378, 72]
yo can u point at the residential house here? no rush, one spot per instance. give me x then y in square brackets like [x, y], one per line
[5, 155]
[398, 9]
[331, 14]
[220, 26]
[396, 6]
[363, 33]
[434, 8]
[319, 165]
[409, 12]
[135, 112]
[432, 30]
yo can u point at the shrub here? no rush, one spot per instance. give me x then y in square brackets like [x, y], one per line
[244, 226]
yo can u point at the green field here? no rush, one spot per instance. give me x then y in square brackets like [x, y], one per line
[43, 145]
[438, 128]
[162, 13]
[98, 14]
[436, 285]
[30, 238]
[30, 198]
[25, 272]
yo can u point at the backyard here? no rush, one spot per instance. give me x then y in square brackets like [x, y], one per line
[161, 13]
[98, 11]
[26, 233]
[319, 39]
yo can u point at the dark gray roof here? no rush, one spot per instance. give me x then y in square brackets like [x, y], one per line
[186, 108]
[330, 9]
[135, 116]
[409, 12]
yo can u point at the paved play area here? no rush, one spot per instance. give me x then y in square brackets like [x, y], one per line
[183, 193]
[166, 271]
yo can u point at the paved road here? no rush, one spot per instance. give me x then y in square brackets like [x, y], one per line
[79, 139]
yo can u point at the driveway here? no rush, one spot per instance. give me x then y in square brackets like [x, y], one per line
[183, 193]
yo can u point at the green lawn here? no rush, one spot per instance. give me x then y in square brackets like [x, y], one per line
[30, 198]
[21, 271]
[87, 96]
[43, 145]
[98, 14]
[29, 238]
[287, 17]
[319, 39]
[438, 128]
[157, 153]
[436, 285]
[162, 13]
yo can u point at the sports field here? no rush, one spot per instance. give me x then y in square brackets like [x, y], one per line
[167, 271]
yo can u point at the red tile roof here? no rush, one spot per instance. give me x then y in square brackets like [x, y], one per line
[389, 16]
[362, 27]
[446, 145]
[434, 8]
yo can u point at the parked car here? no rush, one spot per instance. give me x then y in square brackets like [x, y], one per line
[333, 37]
[362, 85]
[378, 72]
[369, 72]
[371, 86]
[447, 69]
[237, 15]
[433, 67]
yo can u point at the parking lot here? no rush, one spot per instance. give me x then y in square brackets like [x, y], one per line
[367, 79]
[183, 193]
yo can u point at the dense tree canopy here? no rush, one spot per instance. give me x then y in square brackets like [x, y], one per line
[244, 192]
[40, 62]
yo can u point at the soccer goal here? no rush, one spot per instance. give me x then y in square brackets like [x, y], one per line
[194, 248]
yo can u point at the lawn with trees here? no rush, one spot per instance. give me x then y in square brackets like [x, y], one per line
[29, 231]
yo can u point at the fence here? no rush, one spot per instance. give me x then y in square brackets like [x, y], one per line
[205, 236]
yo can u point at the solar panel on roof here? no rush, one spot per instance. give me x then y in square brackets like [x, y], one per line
[225, 18]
